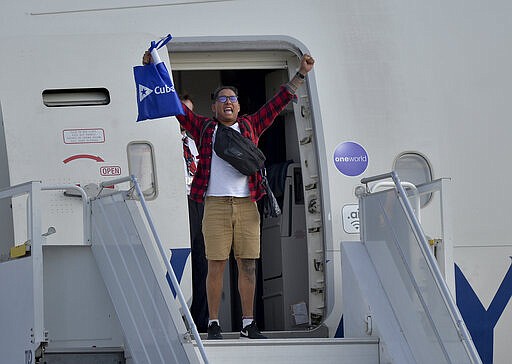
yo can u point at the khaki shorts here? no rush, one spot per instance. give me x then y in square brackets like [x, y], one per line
[231, 221]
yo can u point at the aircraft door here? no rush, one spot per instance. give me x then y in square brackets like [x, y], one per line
[6, 225]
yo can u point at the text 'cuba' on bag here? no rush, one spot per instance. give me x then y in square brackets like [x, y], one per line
[238, 150]
[156, 96]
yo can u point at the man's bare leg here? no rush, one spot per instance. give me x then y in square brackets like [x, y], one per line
[214, 281]
[246, 285]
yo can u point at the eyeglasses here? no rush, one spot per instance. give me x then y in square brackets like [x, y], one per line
[223, 99]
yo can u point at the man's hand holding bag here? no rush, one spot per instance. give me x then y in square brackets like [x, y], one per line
[156, 96]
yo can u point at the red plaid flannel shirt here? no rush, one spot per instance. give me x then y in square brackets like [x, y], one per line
[259, 121]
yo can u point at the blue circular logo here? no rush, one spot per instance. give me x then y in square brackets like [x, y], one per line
[350, 158]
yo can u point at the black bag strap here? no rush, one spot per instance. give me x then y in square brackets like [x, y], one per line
[202, 132]
[246, 125]
[270, 206]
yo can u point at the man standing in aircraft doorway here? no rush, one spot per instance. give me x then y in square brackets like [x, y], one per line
[231, 218]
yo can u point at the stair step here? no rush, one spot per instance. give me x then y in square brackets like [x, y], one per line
[296, 351]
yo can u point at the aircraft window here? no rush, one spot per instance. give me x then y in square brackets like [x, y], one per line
[414, 168]
[141, 163]
[76, 97]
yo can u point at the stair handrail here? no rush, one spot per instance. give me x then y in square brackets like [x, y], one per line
[163, 255]
[33, 191]
[411, 186]
[424, 246]
[85, 206]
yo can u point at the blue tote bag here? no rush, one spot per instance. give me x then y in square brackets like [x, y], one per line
[156, 96]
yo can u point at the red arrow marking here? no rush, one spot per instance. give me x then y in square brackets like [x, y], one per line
[86, 156]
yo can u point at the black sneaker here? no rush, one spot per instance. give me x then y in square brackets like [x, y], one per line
[251, 332]
[214, 331]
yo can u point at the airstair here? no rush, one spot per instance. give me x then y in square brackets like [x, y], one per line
[397, 307]
[393, 287]
[135, 278]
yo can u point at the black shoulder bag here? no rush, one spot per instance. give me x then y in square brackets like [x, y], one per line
[238, 150]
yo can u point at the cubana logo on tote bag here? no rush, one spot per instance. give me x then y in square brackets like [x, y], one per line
[156, 96]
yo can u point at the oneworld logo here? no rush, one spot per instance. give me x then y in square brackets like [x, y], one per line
[145, 91]
[350, 159]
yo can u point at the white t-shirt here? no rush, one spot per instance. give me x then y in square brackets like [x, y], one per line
[225, 180]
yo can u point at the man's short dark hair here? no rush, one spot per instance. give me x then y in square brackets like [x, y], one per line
[220, 88]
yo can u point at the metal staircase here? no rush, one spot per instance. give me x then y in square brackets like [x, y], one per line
[397, 306]
[135, 279]
[393, 287]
